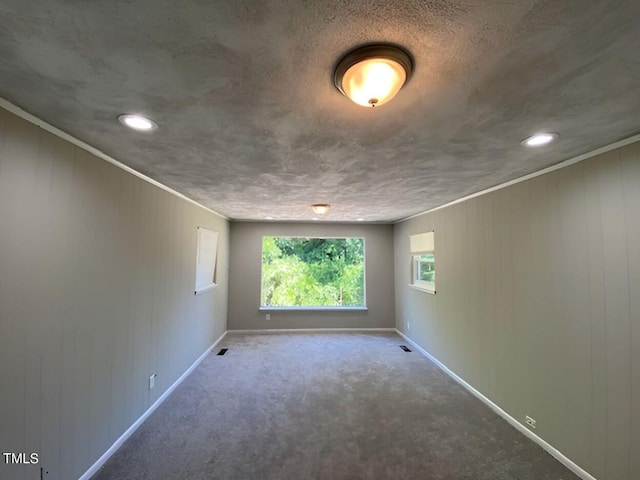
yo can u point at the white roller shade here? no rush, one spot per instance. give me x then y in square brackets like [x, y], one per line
[206, 259]
[422, 242]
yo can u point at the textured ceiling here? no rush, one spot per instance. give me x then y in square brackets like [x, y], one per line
[252, 126]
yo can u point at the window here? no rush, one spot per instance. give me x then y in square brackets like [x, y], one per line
[313, 272]
[423, 271]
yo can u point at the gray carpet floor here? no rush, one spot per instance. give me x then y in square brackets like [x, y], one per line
[325, 406]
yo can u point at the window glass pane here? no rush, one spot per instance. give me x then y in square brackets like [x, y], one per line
[312, 272]
[426, 267]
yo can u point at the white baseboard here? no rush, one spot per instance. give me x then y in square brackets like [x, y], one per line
[118, 443]
[312, 330]
[575, 468]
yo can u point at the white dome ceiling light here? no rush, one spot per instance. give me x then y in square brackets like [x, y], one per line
[373, 74]
[320, 208]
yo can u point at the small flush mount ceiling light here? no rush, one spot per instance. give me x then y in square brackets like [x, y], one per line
[372, 75]
[137, 122]
[320, 208]
[539, 139]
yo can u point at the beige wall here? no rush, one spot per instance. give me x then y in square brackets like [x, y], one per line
[245, 277]
[97, 271]
[538, 305]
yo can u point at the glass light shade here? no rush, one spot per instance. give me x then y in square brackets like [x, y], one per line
[374, 81]
[320, 208]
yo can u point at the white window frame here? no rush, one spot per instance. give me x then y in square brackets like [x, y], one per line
[421, 244]
[362, 307]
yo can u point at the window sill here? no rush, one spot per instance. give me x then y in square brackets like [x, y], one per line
[422, 289]
[205, 289]
[314, 309]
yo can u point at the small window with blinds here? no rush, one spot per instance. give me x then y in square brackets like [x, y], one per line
[423, 260]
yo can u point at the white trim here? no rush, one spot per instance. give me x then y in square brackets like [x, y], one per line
[312, 330]
[267, 308]
[118, 443]
[10, 107]
[575, 468]
[544, 171]
[422, 289]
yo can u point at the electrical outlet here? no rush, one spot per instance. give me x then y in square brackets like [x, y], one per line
[268, 316]
[530, 421]
[152, 381]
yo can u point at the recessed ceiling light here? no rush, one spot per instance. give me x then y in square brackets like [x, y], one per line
[315, 218]
[373, 74]
[539, 139]
[137, 122]
[320, 208]
[268, 218]
[361, 219]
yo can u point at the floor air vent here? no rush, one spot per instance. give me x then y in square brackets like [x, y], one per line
[405, 348]
[223, 351]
